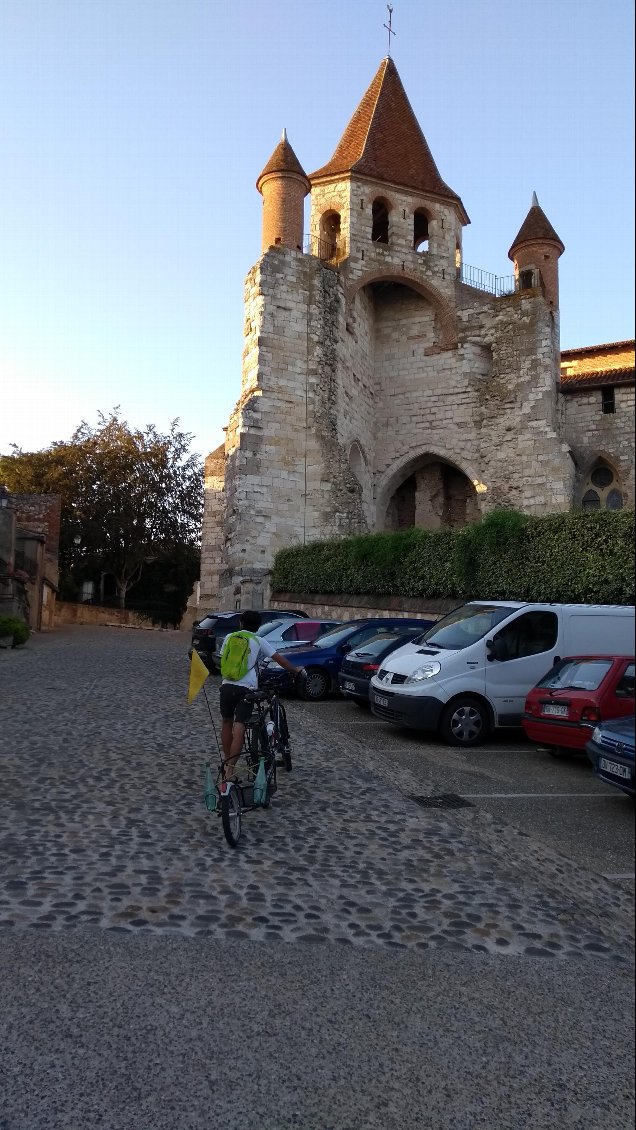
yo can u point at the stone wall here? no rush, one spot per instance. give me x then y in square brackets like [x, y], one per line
[346, 606]
[92, 614]
[591, 434]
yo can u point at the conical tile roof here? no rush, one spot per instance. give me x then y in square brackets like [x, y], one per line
[384, 141]
[536, 226]
[283, 160]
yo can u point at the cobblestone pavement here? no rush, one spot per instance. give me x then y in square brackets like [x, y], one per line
[102, 824]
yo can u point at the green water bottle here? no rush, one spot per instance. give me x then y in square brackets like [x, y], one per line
[260, 783]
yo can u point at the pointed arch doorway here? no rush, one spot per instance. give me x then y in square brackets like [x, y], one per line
[432, 493]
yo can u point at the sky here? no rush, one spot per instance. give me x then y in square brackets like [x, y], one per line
[132, 133]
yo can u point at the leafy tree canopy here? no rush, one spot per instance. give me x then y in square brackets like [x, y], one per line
[129, 495]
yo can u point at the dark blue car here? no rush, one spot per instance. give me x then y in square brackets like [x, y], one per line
[322, 659]
[611, 751]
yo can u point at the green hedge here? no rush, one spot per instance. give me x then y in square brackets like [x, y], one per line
[579, 557]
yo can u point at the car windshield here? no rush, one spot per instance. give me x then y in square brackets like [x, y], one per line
[379, 643]
[465, 625]
[576, 675]
[337, 635]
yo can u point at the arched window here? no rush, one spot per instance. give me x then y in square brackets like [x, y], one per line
[420, 230]
[380, 215]
[458, 261]
[329, 235]
[602, 489]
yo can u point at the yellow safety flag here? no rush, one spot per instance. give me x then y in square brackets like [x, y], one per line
[198, 675]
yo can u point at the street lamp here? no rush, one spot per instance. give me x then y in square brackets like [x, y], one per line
[4, 498]
[77, 540]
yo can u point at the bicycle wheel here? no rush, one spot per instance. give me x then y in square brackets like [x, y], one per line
[271, 783]
[231, 816]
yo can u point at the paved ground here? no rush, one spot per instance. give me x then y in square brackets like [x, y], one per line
[393, 965]
[559, 802]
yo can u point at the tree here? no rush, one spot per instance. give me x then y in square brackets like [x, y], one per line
[130, 496]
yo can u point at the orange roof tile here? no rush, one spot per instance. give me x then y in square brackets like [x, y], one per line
[536, 226]
[384, 141]
[594, 366]
[283, 160]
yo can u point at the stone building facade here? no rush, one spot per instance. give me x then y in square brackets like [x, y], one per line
[384, 383]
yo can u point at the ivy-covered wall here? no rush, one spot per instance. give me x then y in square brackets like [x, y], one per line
[577, 557]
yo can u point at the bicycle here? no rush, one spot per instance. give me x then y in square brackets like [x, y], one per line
[266, 737]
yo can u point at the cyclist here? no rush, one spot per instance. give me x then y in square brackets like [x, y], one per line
[235, 712]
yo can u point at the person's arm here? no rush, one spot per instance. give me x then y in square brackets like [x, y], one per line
[287, 665]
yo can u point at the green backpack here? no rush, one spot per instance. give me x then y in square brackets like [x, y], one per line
[236, 655]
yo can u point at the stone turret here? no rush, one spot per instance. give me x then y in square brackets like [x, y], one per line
[283, 185]
[537, 247]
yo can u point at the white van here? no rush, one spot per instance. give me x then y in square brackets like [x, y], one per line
[471, 672]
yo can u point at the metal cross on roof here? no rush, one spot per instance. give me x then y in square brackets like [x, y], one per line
[388, 26]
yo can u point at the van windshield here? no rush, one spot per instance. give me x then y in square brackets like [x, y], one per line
[465, 625]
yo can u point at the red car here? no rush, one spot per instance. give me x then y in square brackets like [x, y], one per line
[575, 695]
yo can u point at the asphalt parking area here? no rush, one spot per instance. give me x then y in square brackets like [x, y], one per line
[557, 801]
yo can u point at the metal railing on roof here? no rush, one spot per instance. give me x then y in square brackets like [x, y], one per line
[329, 250]
[500, 285]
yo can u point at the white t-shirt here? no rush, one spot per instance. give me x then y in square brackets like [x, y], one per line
[259, 649]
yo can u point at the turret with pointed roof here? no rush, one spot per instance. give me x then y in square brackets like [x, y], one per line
[537, 247]
[283, 185]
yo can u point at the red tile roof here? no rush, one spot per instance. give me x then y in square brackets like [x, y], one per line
[384, 141]
[536, 226]
[283, 160]
[597, 366]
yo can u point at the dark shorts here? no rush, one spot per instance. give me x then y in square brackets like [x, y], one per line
[233, 706]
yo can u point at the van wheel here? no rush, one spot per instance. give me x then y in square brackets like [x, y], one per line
[465, 722]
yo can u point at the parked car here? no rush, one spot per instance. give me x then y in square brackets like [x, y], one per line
[473, 671]
[575, 695]
[359, 665]
[288, 631]
[205, 631]
[611, 751]
[323, 658]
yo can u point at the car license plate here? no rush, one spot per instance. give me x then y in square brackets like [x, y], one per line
[555, 711]
[615, 769]
[348, 686]
[380, 700]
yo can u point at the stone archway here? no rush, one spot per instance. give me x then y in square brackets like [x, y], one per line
[444, 310]
[429, 492]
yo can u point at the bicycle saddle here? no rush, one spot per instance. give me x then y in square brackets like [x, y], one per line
[255, 696]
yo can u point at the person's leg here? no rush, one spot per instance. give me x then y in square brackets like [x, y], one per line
[227, 725]
[236, 745]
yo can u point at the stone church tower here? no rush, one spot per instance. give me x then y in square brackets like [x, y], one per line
[384, 383]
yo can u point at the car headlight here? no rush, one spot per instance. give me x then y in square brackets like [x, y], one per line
[425, 672]
[596, 734]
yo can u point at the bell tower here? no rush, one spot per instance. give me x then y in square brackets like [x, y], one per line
[283, 184]
[380, 200]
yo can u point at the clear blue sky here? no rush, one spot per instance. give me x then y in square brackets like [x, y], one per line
[132, 132]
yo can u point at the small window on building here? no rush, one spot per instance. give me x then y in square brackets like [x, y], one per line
[526, 279]
[608, 401]
[380, 217]
[420, 231]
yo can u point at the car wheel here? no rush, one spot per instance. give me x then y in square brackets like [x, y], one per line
[465, 722]
[316, 685]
